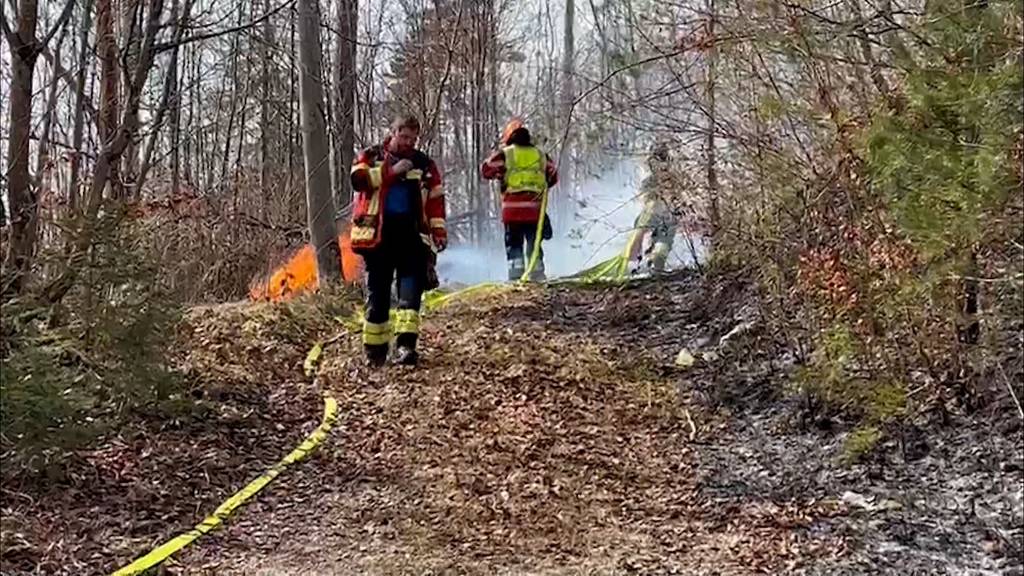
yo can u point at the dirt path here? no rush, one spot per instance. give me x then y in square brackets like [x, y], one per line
[548, 433]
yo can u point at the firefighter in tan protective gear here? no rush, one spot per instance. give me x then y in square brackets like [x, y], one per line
[656, 225]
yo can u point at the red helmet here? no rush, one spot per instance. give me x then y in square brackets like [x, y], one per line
[510, 128]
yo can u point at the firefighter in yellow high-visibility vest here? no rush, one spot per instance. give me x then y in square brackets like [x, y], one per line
[656, 225]
[527, 175]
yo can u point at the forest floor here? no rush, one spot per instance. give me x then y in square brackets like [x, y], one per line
[548, 431]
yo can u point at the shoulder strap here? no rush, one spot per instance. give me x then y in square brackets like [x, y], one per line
[510, 155]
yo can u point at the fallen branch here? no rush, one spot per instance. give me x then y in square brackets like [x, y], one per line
[693, 427]
[1013, 393]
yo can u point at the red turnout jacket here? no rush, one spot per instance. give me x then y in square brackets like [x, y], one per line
[371, 179]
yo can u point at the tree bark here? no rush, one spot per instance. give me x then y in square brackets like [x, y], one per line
[79, 122]
[22, 199]
[345, 77]
[266, 128]
[479, 189]
[169, 102]
[175, 110]
[106, 47]
[567, 172]
[131, 37]
[319, 200]
[20, 196]
[235, 101]
[292, 81]
[43, 155]
[712, 70]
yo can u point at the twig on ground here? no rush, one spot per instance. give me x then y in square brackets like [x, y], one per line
[1013, 393]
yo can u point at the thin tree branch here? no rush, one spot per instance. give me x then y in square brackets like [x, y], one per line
[1009, 386]
[11, 37]
[211, 35]
[450, 48]
[608, 77]
[59, 23]
[165, 97]
[65, 75]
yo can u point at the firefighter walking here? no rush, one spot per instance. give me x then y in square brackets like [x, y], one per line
[526, 174]
[656, 225]
[398, 224]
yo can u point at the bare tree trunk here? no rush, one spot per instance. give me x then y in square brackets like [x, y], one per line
[234, 104]
[493, 199]
[3, 154]
[190, 142]
[567, 172]
[479, 190]
[169, 102]
[345, 77]
[111, 154]
[79, 122]
[292, 79]
[175, 110]
[241, 126]
[266, 130]
[25, 49]
[131, 37]
[20, 197]
[43, 155]
[319, 201]
[712, 70]
[106, 47]
[459, 142]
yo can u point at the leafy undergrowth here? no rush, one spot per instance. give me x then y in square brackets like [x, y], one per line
[548, 431]
[248, 404]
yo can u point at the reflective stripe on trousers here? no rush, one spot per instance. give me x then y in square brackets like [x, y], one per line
[376, 334]
[407, 321]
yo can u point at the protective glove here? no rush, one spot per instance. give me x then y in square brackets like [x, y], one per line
[440, 238]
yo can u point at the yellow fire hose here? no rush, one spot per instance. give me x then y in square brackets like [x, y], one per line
[535, 254]
[213, 521]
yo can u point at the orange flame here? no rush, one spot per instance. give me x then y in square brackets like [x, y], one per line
[298, 274]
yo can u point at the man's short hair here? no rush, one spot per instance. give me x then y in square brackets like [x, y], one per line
[408, 121]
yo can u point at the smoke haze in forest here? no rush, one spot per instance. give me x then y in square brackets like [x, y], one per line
[598, 229]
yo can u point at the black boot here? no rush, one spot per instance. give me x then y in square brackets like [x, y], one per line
[376, 354]
[405, 345]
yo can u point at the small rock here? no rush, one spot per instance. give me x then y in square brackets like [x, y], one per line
[889, 505]
[701, 342]
[684, 359]
[991, 547]
[855, 500]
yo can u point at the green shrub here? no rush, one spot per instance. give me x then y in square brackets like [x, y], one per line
[867, 265]
[76, 369]
[860, 443]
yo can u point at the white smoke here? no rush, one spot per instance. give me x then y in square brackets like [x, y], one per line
[600, 227]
